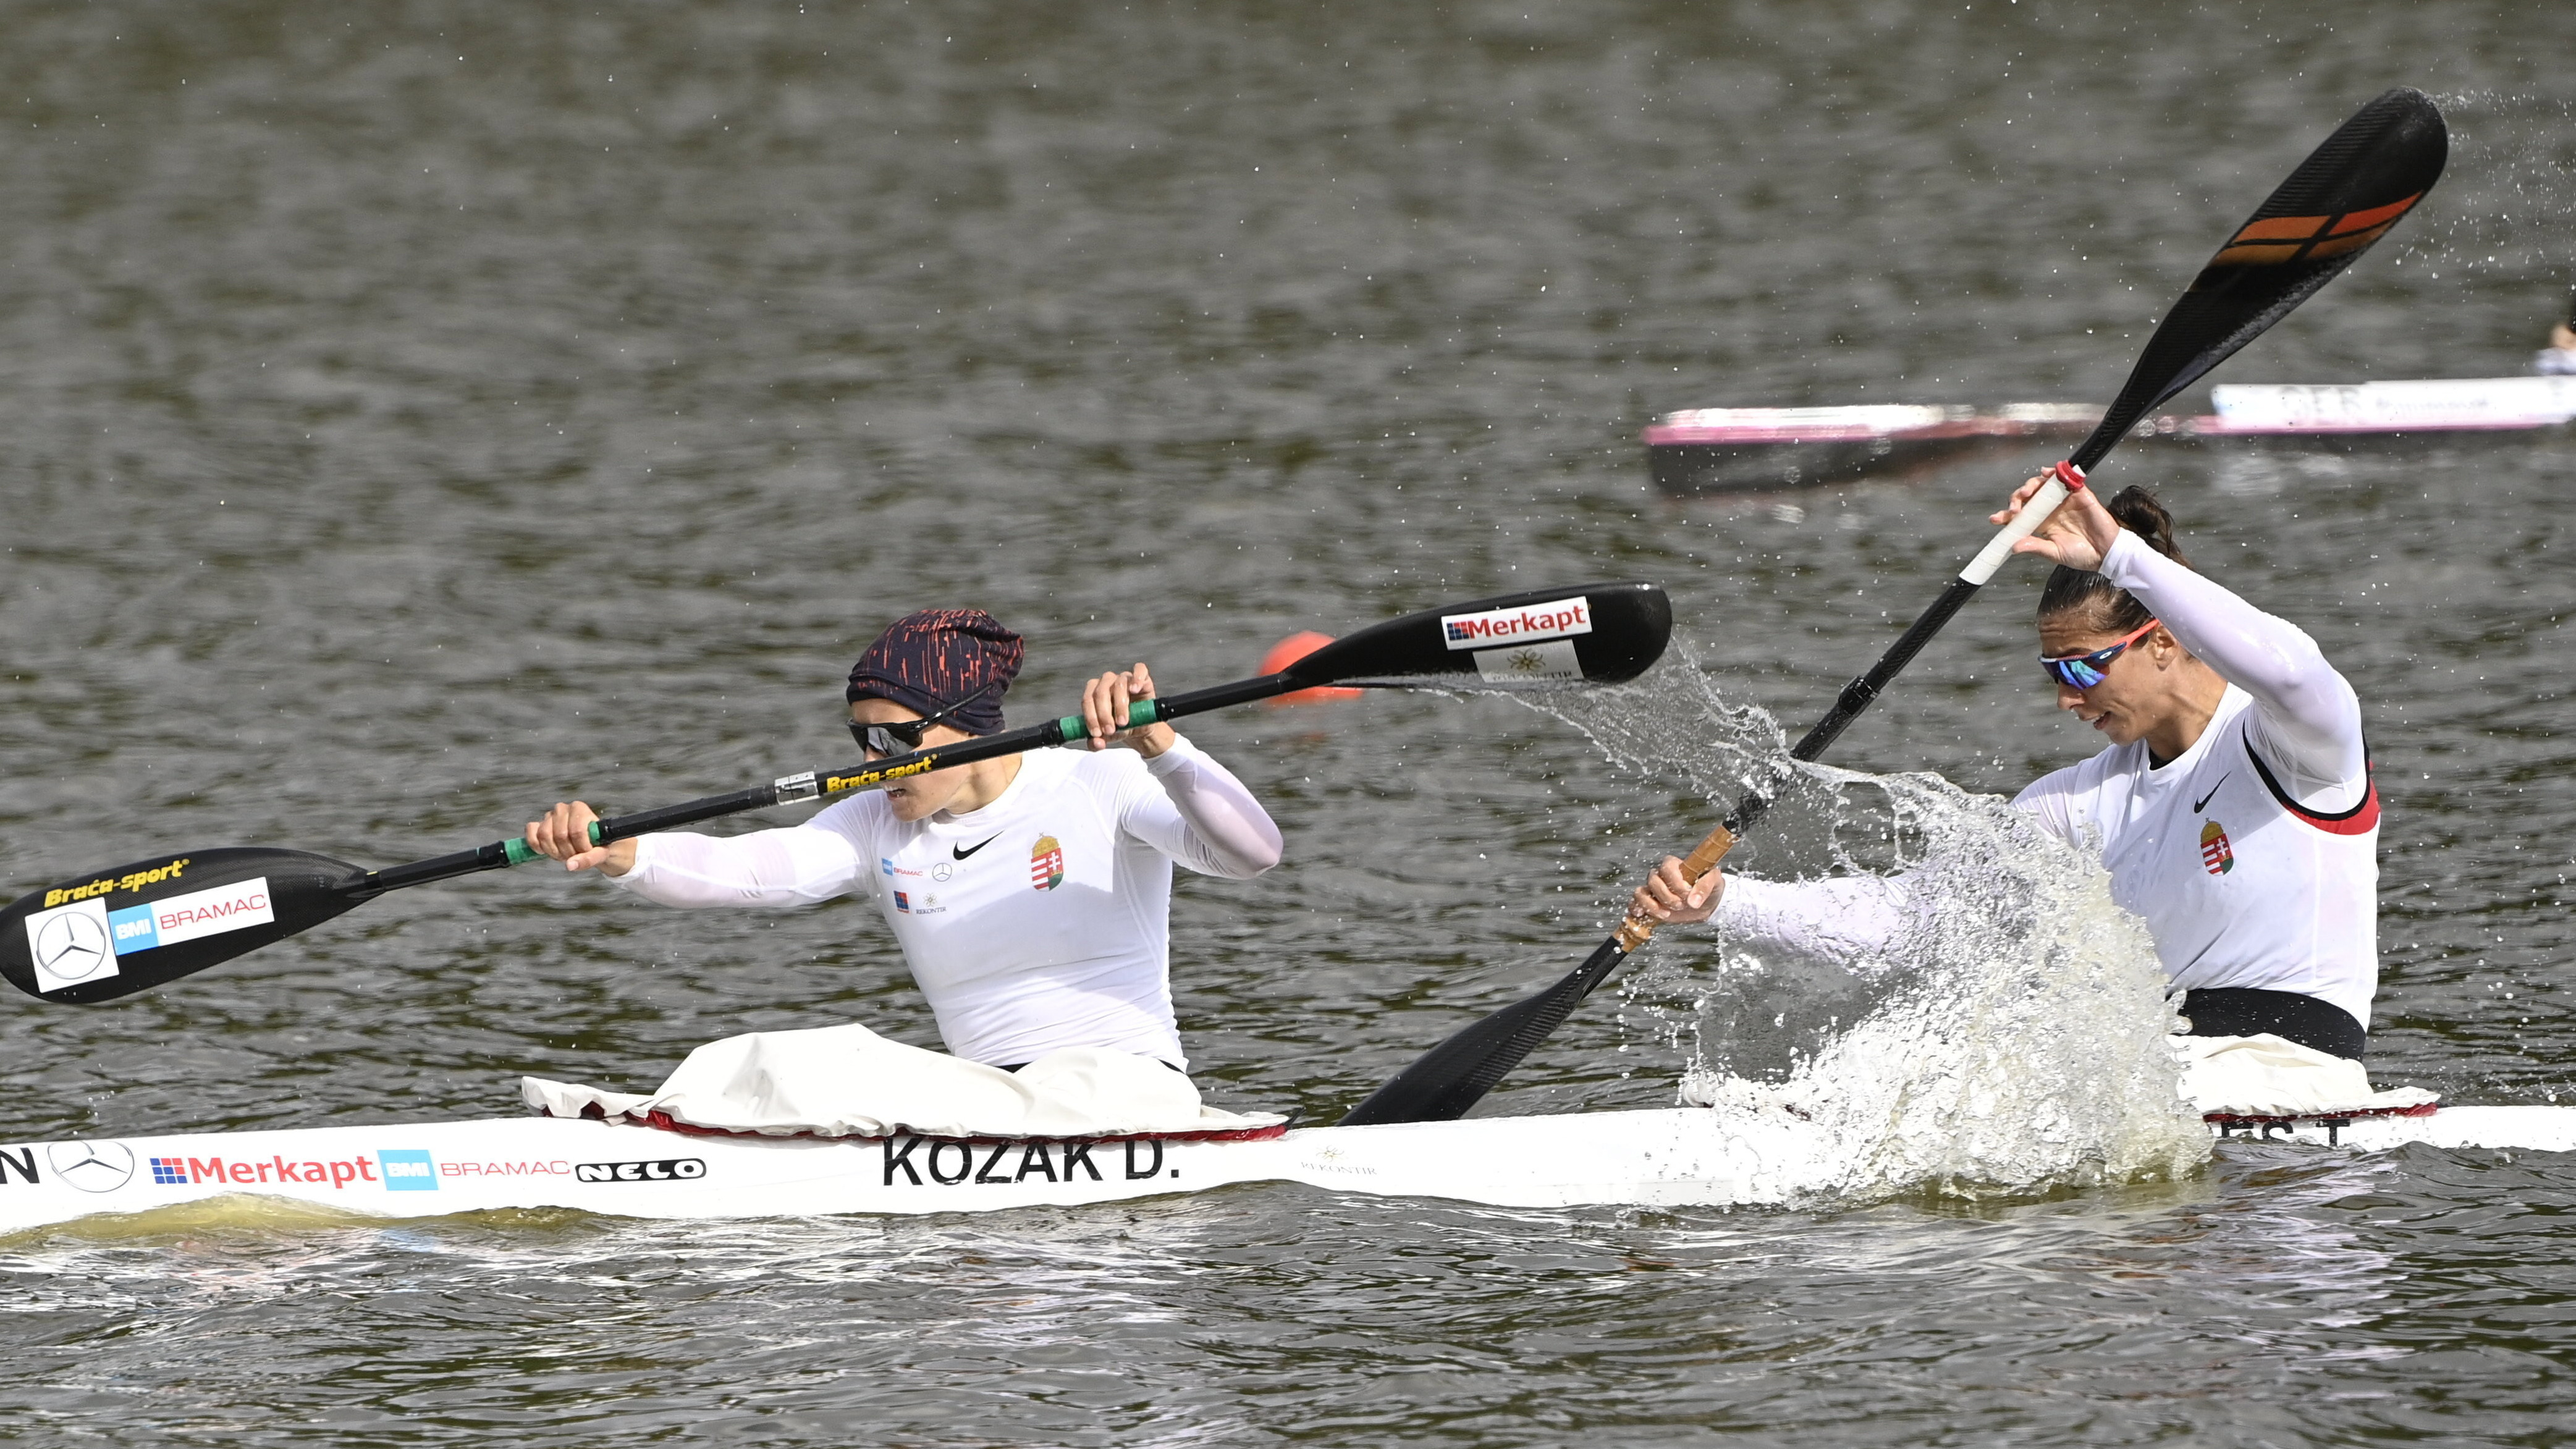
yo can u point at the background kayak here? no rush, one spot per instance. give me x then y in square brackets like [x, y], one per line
[413, 420]
[1764, 450]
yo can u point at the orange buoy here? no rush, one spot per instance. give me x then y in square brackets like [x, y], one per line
[1293, 648]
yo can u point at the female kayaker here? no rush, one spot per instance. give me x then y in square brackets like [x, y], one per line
[2234, 806]
[1031, 894]
[2558, 359]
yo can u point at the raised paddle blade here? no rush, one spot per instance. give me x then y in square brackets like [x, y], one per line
[129, 928]
[1590, 633]
[2345, 196]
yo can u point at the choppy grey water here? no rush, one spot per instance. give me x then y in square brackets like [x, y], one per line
[414, 414]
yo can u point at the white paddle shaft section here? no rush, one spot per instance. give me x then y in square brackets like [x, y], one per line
[2024, 524]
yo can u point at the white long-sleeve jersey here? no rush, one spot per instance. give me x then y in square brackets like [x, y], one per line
[2252, 857]
[1038, 922]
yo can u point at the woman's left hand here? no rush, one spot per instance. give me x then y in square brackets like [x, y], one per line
[1104, 713]
[2077, 535]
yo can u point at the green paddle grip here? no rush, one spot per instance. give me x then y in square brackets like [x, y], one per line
[520, 852]
[1140, 713]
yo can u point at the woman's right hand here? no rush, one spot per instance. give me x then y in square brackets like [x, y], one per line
[565, 835]
[1668, 897]
[2077, 535]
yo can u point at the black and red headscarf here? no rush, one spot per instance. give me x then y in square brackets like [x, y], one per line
[929, 660]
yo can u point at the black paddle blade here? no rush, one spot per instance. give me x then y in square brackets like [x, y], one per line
[1445, 1081]
[130, 928]
[1593, 633]
[2345, 196]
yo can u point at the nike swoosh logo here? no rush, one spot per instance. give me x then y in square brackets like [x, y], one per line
[963, 851]
[2203, 802]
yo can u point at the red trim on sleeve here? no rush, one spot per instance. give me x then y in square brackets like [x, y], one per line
[2361, 819]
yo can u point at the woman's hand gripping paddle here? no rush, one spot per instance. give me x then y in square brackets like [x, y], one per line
[2346, 195]
[114, 932]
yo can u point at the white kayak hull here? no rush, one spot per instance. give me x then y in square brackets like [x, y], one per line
[1675, 1157]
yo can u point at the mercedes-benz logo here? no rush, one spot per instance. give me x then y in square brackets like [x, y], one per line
[71, 945]
[92, 1166]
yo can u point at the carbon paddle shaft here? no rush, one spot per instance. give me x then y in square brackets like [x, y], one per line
[2357, 184]
[1605, 633]
[814, 784]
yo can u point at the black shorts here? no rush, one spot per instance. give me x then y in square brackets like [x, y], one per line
[1015, 1066]
[2244, 1011]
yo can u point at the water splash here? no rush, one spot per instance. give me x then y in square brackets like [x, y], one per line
[2000, 1031]
[2506, 205]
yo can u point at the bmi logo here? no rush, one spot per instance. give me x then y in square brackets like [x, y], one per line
[2214, 852]
[1046, 864]
[407, 1170]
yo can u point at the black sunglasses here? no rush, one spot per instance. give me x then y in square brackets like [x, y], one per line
[902, 737]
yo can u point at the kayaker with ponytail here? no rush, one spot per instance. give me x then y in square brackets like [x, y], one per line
[2233, 805]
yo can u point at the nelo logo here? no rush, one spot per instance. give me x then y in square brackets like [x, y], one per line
[669, 1169]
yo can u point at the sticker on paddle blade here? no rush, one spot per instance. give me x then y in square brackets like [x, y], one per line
[1555, 619]
[129, 928]
[1528, 663]
[70, 944]
[185, 918]
[81, 942]
[2271, 240]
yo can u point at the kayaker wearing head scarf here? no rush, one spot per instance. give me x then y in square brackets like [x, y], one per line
[2234, 805]
[1031, 893]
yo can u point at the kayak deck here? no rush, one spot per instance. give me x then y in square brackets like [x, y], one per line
[1684, 1156]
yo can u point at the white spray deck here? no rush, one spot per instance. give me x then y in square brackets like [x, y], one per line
[1675, 1157]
